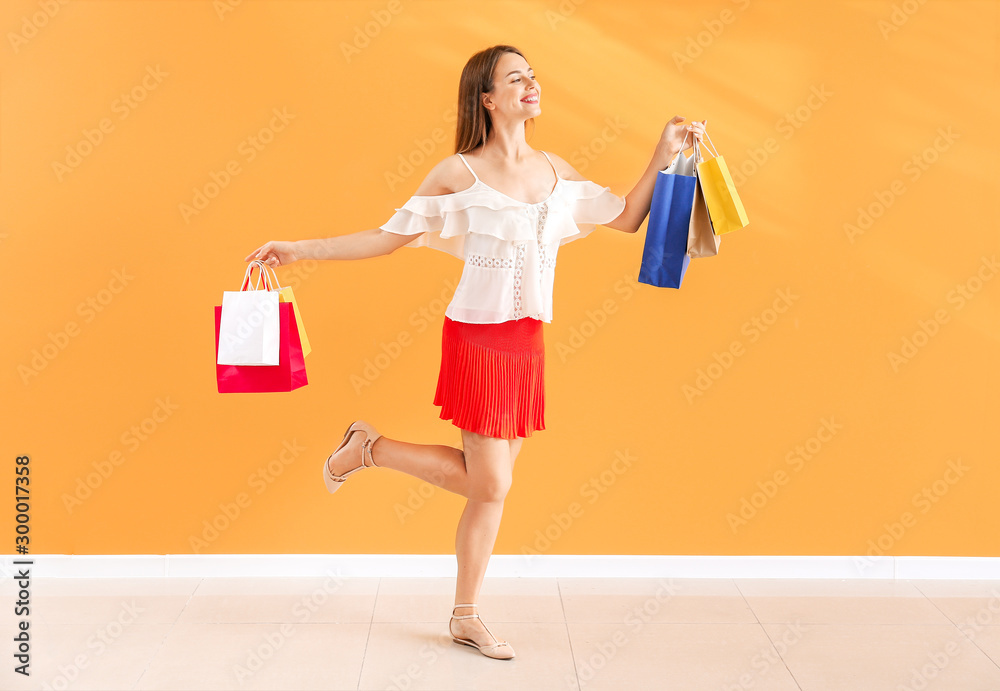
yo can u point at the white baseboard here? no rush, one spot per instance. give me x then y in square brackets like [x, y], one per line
[501, 566]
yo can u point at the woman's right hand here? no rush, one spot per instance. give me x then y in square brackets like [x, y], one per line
[275, 253]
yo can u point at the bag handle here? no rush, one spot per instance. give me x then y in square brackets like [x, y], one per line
[262, 276]
[274, 275]
[679, 151]
[712, 147]
[698, 158]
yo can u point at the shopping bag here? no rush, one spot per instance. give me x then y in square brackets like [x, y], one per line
[702, 240]
[286, 295]
[249, 324]
[724, 204]
[289, 374]
[664, 253]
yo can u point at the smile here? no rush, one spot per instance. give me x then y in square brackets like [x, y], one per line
[533, 98]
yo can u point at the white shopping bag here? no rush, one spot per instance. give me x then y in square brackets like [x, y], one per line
[249, 326]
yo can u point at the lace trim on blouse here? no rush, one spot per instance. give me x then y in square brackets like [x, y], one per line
[485, 262]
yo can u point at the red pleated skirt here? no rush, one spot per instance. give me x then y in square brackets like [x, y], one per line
[492, 377]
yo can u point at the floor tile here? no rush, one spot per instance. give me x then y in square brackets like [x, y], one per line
[681, 657]
[501, 600]
[83, 657]
[569, 633]
[258, 656]
[417, 656]
[824, 657]
[839, 602]
[603, 600]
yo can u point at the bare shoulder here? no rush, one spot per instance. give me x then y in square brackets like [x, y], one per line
[564, 169]
[448, 176]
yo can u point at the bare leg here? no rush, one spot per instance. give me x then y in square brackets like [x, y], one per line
[490, 464]
[440, 465]
[437, 464]
[482, 473]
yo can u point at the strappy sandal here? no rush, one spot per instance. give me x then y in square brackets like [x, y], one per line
[334, 482]
[498, 650]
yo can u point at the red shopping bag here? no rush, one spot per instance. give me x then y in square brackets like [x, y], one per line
[290, 372]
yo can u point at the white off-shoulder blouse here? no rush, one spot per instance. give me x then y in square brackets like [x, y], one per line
[509, 247]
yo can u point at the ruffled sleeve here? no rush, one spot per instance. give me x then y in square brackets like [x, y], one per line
[589, 205]
[442, 221]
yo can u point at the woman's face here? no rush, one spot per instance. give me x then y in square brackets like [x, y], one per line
[515, 91]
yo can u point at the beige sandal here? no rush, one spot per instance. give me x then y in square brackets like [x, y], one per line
[495, 650]
[334, 482]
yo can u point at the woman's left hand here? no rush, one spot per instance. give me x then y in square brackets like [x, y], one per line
[673, 138]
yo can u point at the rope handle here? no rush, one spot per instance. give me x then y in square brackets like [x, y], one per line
[698, 158]
[262, 277]
[710, 146]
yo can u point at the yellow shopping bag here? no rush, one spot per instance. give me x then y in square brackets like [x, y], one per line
[724, 204]
[284, 295]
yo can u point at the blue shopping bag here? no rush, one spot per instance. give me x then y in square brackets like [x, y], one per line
[664, 255]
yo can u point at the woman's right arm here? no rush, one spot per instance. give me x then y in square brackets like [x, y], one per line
[360, 245]
[363, 244]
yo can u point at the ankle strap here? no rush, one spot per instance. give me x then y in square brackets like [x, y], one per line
[366, 449]
[457, 606]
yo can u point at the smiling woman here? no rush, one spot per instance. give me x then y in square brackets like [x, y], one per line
[517, 81]
[504, 209]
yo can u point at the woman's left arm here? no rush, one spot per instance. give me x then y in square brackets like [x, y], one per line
[637, 202]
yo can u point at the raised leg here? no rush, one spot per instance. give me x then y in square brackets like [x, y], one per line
[440, 465]
[482, 473]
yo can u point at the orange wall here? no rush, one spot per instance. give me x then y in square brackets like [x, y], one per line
[827, 112]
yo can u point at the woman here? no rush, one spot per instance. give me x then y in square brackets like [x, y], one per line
[504, 209]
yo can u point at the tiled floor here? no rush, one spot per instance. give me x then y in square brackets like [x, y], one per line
[391, 633]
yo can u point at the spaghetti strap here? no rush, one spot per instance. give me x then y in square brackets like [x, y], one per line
[469, 167]
[552, 164]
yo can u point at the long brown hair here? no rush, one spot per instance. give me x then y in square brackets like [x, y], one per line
[474, 121]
